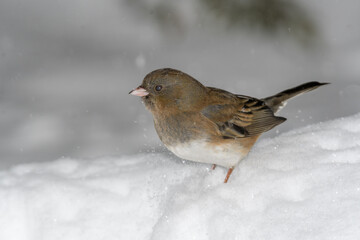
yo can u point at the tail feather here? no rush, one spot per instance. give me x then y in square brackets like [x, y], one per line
[278, 101]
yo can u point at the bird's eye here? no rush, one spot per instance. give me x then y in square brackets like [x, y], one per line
[158, 88]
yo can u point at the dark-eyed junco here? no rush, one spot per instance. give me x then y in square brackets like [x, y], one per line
[209, 125]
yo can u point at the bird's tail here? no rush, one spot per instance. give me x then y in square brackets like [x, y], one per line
[278, 101]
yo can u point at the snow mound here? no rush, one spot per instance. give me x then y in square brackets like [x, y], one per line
[304, 184]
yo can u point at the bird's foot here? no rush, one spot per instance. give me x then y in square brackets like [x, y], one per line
[228, 174]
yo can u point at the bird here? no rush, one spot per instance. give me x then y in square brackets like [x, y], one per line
[207, 124]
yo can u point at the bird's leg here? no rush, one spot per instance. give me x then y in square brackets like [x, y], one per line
[213, 167]
[228, 174]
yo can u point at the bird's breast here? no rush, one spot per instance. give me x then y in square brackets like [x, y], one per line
[184, 127]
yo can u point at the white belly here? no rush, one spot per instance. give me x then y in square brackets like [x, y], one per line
[197, 151]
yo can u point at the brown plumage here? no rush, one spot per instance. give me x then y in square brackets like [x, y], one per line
[206, 124]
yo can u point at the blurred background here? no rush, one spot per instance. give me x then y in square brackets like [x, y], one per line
[66, 67]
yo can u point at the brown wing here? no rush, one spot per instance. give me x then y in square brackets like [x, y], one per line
[239, 116]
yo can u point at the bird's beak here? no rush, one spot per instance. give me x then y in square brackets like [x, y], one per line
[139, 91]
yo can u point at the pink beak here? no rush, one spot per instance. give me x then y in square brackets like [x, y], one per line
[139, 91]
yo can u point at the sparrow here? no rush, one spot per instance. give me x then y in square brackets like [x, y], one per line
[206, 124]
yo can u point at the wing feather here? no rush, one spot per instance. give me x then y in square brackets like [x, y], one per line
[241, 116]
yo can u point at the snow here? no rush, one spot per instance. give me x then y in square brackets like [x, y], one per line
[302, 184]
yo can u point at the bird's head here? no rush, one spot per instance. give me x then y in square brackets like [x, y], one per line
[168, 90]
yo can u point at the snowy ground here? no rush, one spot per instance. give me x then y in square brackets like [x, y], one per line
[302, 184]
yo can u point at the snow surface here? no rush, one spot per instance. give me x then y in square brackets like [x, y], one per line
[303, 184]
